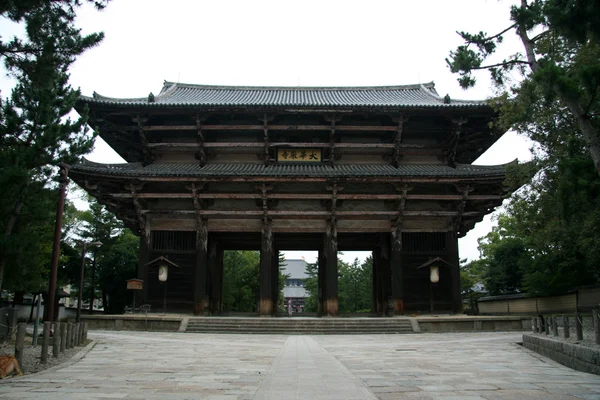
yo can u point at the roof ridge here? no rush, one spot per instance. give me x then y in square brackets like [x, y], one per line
[167, 85]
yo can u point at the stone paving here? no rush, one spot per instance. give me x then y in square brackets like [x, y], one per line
[150, 365]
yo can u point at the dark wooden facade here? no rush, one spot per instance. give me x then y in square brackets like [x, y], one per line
[208, 170]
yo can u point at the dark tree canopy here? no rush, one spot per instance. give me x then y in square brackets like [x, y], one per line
[36, 131]
[561, 63]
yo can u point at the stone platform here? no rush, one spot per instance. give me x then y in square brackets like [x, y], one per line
[307, 325]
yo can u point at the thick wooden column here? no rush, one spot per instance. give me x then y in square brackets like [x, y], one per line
[265, 304]
[220, 272]
[275, 281]
[142, 271]
[330, 298]
[213, 278]
[321, 284]
[201, 266]
[396, 266]
[453, 259]
[378, 285]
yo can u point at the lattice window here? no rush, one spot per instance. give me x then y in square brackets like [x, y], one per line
[173, 241]
[424, 241]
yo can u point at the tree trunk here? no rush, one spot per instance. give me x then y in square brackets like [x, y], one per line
[589, 133]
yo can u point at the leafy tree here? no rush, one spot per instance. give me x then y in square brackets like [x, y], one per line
[311, 284]
[241, 280]
[36, 132]
[561, 64]
[117, 262]
[100, 225]
[354, 286]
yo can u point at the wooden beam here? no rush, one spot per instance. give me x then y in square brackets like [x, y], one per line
[411, 148]
[307, 196]
[271, 127]
[358, 215]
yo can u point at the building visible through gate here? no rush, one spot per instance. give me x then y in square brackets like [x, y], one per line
[211, 168]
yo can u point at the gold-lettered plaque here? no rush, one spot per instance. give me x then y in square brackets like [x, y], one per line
[299, 155]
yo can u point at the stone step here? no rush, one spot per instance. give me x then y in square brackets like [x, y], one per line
[298, 326]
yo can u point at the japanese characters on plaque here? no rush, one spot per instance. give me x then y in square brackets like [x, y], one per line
[298, 155]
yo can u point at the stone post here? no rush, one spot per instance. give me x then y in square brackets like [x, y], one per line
[21, 330]
[566, 327]
[578, 326]
[63, 336]
[56, 341]
[45, 342]
[555, 326]
[596, 326]
[534, 325]
[69, 334]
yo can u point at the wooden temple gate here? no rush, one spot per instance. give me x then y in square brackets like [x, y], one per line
[211, 168]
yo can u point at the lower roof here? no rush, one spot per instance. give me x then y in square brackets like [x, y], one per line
[194, 170]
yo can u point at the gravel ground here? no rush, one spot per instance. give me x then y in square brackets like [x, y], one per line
[31, 356]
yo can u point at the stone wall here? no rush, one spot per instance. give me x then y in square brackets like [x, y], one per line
[576, 356]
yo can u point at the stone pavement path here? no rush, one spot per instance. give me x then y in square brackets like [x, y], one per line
[304, 370]
[150, 365]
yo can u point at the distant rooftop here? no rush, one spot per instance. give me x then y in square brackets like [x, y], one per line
[296, 269]
[182, 95]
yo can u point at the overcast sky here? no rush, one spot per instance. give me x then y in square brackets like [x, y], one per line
[287, 43]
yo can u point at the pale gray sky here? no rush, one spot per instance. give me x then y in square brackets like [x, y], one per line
[287, 43]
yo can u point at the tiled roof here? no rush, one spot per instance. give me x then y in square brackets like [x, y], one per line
[183, 95]
[296, 269]
[282, 170]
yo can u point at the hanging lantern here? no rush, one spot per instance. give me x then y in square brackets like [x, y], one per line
[163, 265]
[163, 272]
[434, 273]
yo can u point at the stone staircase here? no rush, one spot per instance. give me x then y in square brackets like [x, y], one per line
[299, 326]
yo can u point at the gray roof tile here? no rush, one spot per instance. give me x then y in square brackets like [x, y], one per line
[287, 170]
[182, 95]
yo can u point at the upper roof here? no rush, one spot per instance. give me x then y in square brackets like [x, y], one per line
[288, 170]
[296, 269]
[188, 95]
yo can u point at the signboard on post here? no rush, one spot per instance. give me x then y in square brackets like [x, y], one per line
[135, 284]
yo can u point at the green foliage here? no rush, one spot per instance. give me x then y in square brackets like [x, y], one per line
[117, 261]
[241, 288]
[354, 286]
[559, 67]
[36, 132]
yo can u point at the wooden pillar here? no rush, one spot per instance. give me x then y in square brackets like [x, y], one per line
[220, 272]
[275, 281]
[201, 267]
[213, 276]
[142, 271]
[452, 246]
[330, 296]
[397, 276]
[321, 284]
[265, 304]
[376, 256]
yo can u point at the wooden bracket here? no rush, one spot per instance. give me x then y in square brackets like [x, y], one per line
[464, 190]
[200, 153]
[141, 217]
[397, 156]
[146, 151]
[458, 123]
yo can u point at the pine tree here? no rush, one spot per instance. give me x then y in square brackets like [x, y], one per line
[36, 132]
[561, 64]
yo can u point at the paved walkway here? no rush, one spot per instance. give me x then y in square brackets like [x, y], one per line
[143, 365]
